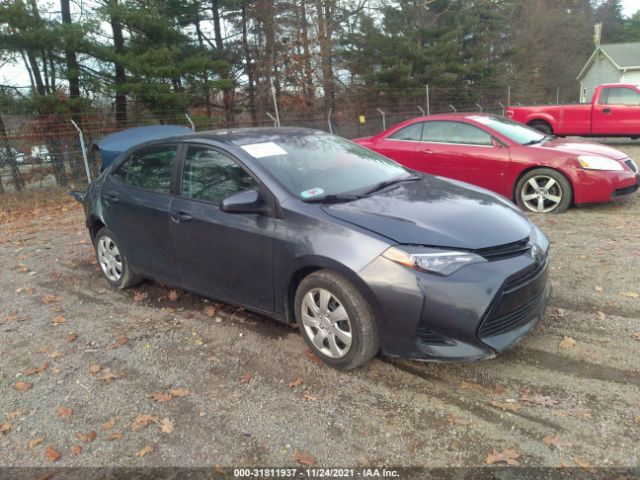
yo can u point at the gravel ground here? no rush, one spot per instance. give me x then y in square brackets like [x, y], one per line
[237, 389]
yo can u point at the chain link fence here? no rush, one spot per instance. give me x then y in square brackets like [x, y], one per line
[44, 151]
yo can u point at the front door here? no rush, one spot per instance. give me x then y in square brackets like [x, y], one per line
[617, 112]
[222, 255]
[136, 199]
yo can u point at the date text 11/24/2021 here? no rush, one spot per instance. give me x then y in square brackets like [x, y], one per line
[315, 473]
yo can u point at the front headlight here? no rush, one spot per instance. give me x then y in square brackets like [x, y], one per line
[599, 163]
[431, 260]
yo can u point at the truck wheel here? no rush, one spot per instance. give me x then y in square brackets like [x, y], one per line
[544, 190]
[542, 127]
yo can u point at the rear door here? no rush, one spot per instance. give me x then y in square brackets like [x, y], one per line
[222, 255]
[617, 112]
[136, 199]
[463, 152]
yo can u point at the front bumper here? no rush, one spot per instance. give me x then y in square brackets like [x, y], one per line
[473, 314]
[593, 186]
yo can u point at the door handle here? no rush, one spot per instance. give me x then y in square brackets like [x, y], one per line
[426, 151]
[180, 217]
[110, 198]
[606, 110]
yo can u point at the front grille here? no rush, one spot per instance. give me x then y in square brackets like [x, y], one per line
[493, 326]
[524, 277]
[632, 165]
[429, 337]
[508, 250]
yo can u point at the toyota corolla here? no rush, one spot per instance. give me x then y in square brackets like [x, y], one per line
[305, 227]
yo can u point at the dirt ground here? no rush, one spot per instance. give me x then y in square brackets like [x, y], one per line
[90, 376]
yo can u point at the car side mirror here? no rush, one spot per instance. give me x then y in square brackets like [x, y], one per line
[247, 201]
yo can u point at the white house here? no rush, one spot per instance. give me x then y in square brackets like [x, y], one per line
[612, 63]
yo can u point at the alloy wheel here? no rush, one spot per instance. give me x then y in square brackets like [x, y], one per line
[541, 194]
[109, 258]
[326, 323]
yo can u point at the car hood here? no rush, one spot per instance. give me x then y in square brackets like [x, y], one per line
[582, 148]
[437, 212]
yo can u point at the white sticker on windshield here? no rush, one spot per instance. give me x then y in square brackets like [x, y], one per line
[266, 149]
[312, 192]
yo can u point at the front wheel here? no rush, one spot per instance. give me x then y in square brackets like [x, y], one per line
[544, 190]
[113, 263]
[336, 321]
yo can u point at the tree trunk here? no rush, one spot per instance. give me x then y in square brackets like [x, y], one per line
[308, 72]
[10, 158]
[120, 79]
[205, 73]
[73, 69]
[249, 67]
[325, 11]
[227, 90]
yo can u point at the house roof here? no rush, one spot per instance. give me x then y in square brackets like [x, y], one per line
[624, 56]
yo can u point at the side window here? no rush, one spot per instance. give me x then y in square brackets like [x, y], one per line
[212, 176]
[621, 96]
[455, 132]
[412, 132]
[149, 168]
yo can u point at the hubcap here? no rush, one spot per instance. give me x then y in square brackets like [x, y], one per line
[541, 194]
[110, 259]
[326, 323]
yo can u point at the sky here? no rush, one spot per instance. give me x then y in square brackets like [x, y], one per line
[9, 73]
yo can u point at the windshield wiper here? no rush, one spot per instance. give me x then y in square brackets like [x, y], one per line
[388, 183]
[334, 198]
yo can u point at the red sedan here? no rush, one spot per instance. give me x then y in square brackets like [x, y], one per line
[539, 172]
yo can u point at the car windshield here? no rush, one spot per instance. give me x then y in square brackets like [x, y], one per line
[513, 130]
[314, 166]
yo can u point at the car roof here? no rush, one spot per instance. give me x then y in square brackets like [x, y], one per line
[243, 136]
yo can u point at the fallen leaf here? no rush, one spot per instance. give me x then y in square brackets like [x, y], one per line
[64, 412]
[636, 336]
[95, 368]
[304, 457]
[160, 397]
[139, 296]
[552, 440]
[601, 315]
[451, 418]
[5, 428]
[314, 358]
[56, 355]
[598, 288]
[511, 407]
[166, 426]
[498, 390]
[14, 414]
[297, 382]
[582, 464]
[309, 396]
[87, 437]
[59, 319]
[108, 376]
[72, 337]
[246, 378]
[179, 392]
[76, 449]
[539, 400]
[210, 311]
[109, 424]
[51, 454]
[47, 299]
[34, 442]
[173, 295]
[567, 342]
[36, 370]
[114, 436]
[43, 350]
[560, 312]
[473, 386]
[145, 451]
[22, 386]
[141, 421]
[508, 456]
[630, 294]
[120, 341]
[13, 316]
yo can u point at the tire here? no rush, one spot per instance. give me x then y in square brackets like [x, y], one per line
[113, 264]
[360, 321]
[553, 189]
[542, 127]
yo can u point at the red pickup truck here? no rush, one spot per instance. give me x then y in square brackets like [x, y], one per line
[614, 111]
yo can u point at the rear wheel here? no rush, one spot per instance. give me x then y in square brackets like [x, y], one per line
[336, 321]
[113, 263]
[544, 190]
[542, 127]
